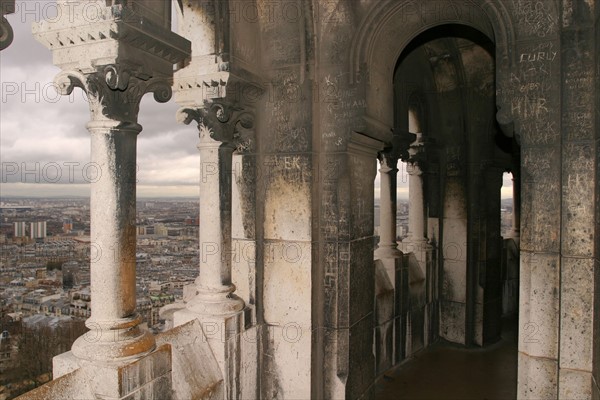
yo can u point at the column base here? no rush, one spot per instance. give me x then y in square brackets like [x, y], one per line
[208, 302]
[383, 252]
[120, 340]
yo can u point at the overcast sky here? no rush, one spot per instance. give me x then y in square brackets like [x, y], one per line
[45, 147]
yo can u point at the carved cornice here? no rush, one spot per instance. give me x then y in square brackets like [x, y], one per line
[6, 31]
[114, 92]
[194, 86]
[221, 122]
[377, 129]
[115, 33]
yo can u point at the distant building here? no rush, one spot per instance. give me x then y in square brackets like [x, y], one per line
[67, 225]
[161, 230]
[20, 229]
[40, 273]
[37, 230]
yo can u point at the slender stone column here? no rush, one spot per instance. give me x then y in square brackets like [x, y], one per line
[416, 223]
[115, 59]
[516, 217]
[216, 124]
[6, 31]
[388, 246]
[416, 213]
[114, 96]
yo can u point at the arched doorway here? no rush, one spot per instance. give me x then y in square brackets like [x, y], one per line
[445, 129]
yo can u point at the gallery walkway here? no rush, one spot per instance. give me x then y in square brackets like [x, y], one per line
[445, 371]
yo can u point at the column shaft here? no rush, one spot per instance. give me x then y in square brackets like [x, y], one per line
[215, 217]
[388, 246]
[416, 214]
[214, 286]
[114, 332]
[516, 217]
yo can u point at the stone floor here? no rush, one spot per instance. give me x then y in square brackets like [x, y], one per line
[445, 371]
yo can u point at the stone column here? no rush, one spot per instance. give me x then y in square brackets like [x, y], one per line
[6, 32]
[115, 59]
[114, 96]
[212, 300]
[388, 246]
[416, 223]
[416, 213]
[516, 217]
[214, 295]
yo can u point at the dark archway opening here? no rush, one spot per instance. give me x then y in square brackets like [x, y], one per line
[449, 73]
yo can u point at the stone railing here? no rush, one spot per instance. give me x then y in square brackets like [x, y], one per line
[405, 304]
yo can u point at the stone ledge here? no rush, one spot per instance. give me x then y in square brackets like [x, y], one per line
[196, 373]
[147, 377]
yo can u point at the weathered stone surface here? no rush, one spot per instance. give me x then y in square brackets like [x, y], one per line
[287, 177]
[196, 373]
[452, 321]
[284, 346]
[64, 364]
[334, 87]
[249, 372]
[538, 311]
[287, 283]
[578, 227]
[361, 365]
[576, 385]
[384, 346]
[243, 269]
[146, 377]
[538, 378]
[576, 322]
[384, 295]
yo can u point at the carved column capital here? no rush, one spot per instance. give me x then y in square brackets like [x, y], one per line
[388, 161]
[6, 31]
[114, 92]
[221, 122]
[414, 168]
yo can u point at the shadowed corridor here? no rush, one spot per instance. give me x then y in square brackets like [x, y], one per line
[445, 371]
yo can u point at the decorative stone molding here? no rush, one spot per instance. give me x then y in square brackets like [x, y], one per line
[84, 41]
[114, 92]
[198, 87]
[223, 122]
[6, 31]
[387, 29]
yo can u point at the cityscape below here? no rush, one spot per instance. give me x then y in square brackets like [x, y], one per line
[45, 259]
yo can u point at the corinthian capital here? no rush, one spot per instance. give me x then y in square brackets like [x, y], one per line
[6, 32]
[114, 92]
[221, 122]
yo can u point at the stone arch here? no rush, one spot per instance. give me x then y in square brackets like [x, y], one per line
[391, 25]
